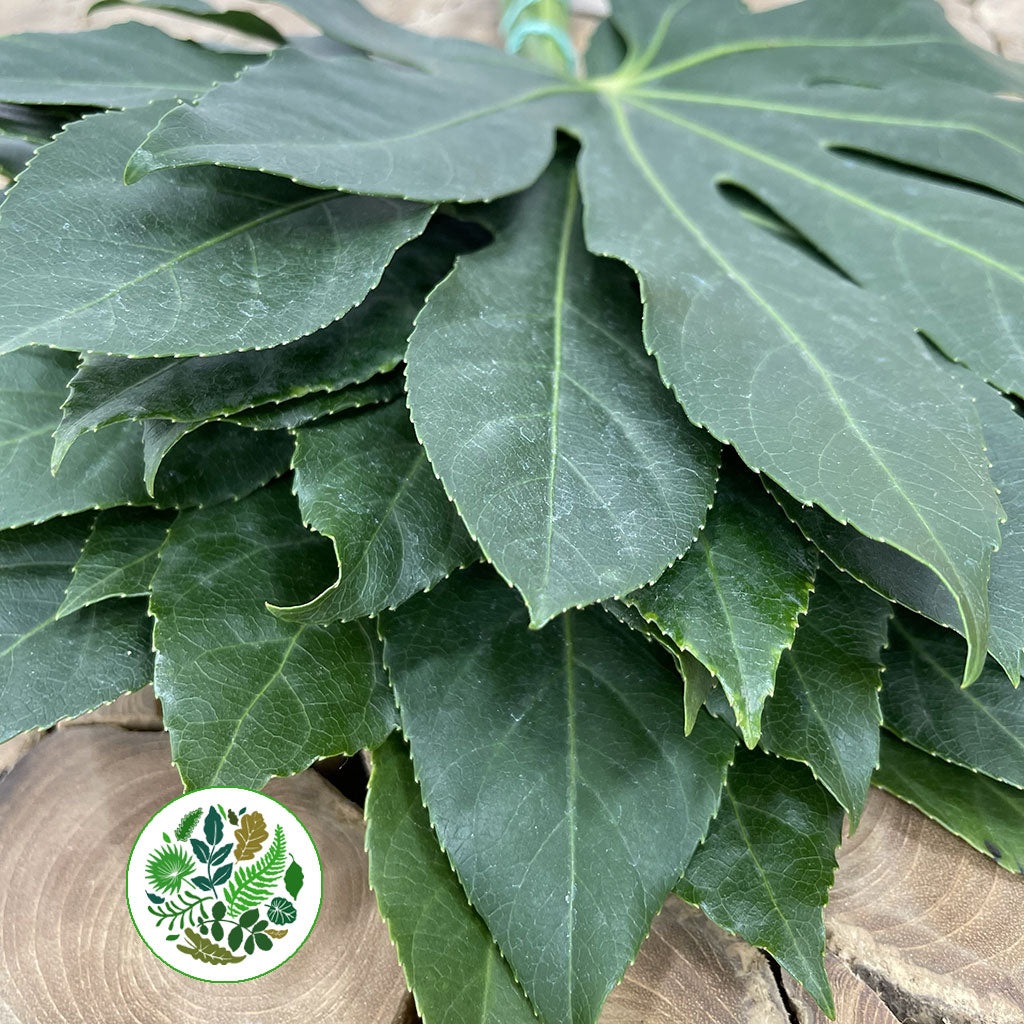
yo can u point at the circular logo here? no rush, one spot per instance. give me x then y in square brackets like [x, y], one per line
[224, 884]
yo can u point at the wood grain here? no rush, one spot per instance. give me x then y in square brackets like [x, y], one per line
[932, 924]
[69, 813]
[689, 971]
[856, 1002]
[138, 710]
[16, 748]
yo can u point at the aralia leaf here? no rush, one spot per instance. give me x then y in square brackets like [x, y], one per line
[820, 384]
[450, 961]
[101, 473]
[120, 66]
[909, 583]
[567, 457]
[118, 559]
[825, 709]
[766, 866]
[733, 600]
[985, 813]
[49, 668]
[981, 727]
[246, 696]
[368, 340]
[240, 21]
[365, 482]
[531, 748]
[214, 261]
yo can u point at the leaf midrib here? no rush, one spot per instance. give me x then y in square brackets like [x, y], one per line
[662, 192]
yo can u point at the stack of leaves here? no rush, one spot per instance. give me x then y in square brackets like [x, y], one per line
[697, 507]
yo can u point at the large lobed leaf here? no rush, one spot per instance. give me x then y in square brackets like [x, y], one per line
[818, 383]
[528, 384]
[557, 775]
[246, 696]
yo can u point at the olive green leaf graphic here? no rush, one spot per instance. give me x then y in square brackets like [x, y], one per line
[277, 933]
[255, 882]
[188, 824]
[293, 878]
[281, 911]
[251, 836]
[168, 867]
[208, 951]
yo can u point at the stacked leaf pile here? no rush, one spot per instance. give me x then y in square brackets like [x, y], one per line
[714, 355]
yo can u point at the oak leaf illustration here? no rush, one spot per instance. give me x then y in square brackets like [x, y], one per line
[251, 835]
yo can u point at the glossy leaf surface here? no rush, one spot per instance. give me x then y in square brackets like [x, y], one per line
[215, 261]
[450, 961]
[825, 708]
[365, 482]
[557, 776]
[734, 598]
[52, 669]
[246, 696]
[528, 384]
[765, 869]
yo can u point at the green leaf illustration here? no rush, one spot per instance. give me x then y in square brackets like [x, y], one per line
[251, 834]
[213, 827]
[168, 867]
[281, 911]
[208, 951]
[293, 879]
[253, 883]
[188, 824]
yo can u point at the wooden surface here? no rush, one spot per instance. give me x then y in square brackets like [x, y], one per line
[69, 813]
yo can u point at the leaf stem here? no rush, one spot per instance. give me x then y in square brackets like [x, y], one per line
[539, 30]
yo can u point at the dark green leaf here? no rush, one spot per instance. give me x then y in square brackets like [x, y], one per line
[222, 853]
[766, 866]
[218, 910]
[120, 66]
[280, 911]
[734, 599]
[49, 668]
[298, 412]
[249, 944]
[246, 696]
[216, 931]
[203, 262]
[235, 937]
[825, 709]
[293, 879]
[213, 827]
[263, 940]
[222, 874]
[365, 482]
[449, 958]
[568, 459]
[118, 559]
[240, 21]
[532, 748]
[369, 340]
[822, 385]
[981, 728]
[201, 850]
[202, 464]
[901, 579]
[698, 683]
[32, 124]
[987, 814]
[409, 129]
[201, 883]
[101, 472]
[248, 919]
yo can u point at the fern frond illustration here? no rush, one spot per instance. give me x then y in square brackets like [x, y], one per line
[187, 825]
[168, 867]
[254, 883]
[176, 912]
